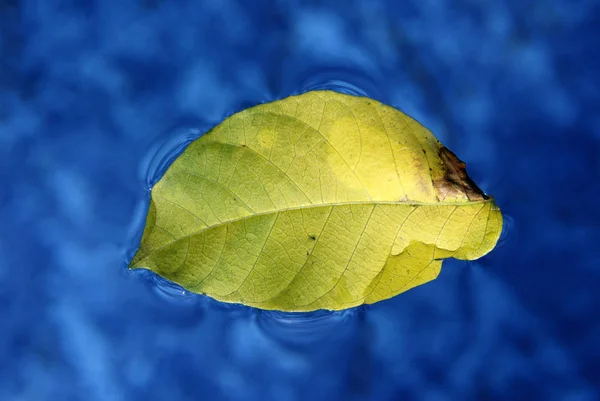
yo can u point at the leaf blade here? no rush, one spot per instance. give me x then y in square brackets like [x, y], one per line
[315, 201]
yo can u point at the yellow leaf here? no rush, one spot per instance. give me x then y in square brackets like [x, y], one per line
[317, 201]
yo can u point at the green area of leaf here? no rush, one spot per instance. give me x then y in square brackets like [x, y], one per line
[317, 201]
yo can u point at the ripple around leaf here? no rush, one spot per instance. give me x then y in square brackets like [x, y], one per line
[344, 80]
[169, 289]
[509, 228]
[166, 289]
[163, 153]
[308, 328]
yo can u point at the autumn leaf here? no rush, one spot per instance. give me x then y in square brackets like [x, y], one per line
[317, 201]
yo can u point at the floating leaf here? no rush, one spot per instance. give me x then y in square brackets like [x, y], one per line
[317, 201]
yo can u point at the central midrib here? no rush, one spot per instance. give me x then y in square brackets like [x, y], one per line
[323, 205]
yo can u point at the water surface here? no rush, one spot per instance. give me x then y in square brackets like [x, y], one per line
[96, 100]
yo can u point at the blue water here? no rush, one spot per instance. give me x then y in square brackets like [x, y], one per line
[97, 97]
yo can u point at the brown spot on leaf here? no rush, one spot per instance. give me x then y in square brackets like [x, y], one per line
[455, 181]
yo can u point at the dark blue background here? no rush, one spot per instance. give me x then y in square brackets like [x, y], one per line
[94, 96]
